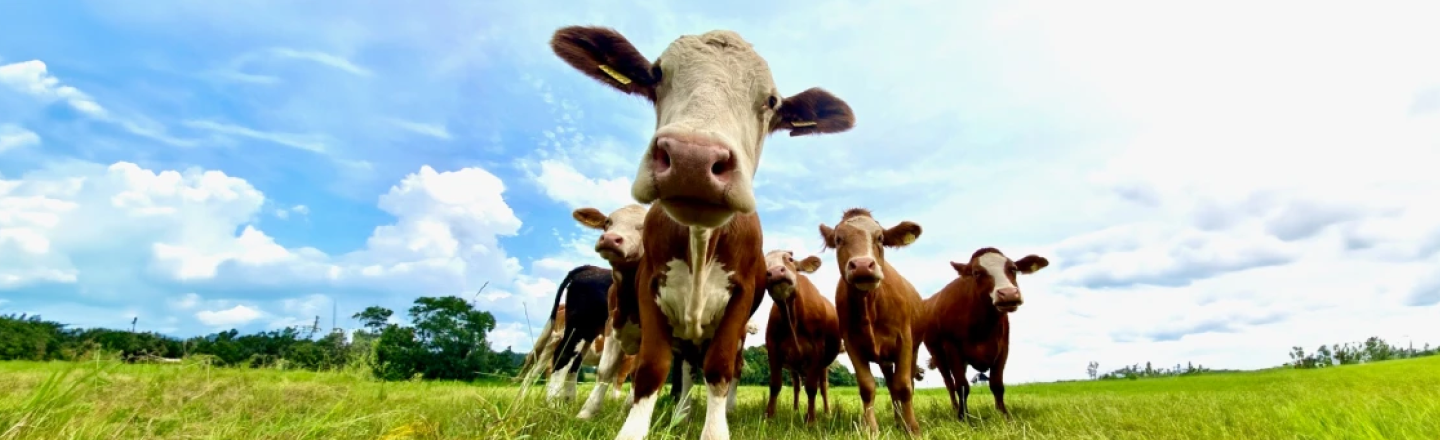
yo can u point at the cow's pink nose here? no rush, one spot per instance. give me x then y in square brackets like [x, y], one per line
[1007, 296]
[776, 273]
[861, 267]
[613, 241]
[699, 167]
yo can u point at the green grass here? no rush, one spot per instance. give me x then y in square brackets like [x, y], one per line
[107, 400]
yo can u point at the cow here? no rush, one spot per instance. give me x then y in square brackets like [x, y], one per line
[715, 104]
[880, 311]
[970, 323]
[539, 360]
[803, 334]
[579, 322]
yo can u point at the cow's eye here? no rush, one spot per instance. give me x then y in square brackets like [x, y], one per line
[773, 102]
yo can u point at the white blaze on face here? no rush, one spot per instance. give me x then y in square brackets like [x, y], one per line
[714, 86]
[858, 245]
[994, 264]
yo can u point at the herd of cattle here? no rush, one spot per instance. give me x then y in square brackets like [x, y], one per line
[687, 271]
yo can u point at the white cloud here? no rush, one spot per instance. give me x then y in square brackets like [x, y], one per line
[561, 182]
[308, 142]
[437, 131]
[194, 228]
[14, 136]
[32, 78]
[234, 316]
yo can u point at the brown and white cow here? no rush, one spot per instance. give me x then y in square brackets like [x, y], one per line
[969, 322]
[620, 245]
[880, 311]
[715, 104]
[803, 334]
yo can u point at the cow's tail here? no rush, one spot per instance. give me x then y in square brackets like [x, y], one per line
[532, 360]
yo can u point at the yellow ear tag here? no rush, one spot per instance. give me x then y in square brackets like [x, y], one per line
[908, 238]
[622, 79]
[803, 124]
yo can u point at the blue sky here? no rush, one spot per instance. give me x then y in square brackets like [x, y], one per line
[1212, 183]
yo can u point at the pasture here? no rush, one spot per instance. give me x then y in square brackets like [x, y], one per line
[109, 400]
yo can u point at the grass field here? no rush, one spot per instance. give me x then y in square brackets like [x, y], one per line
[107, 400]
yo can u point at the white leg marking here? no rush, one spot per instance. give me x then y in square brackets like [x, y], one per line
[605, 376]
[716, 427]
[637, 423]
[682, 406]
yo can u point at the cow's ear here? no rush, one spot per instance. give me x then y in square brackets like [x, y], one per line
[1031, 263]
[828, 234]
[809, 265]
[590, 217]
[814, 111]
[902, 234]
[605, 55]
[962, 269]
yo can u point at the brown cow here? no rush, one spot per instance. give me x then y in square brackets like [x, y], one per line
[879, 310]
[715, 104]
[969, 322]
[803, 335]
[540, 359]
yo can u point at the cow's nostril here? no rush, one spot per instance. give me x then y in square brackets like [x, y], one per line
[661, 159]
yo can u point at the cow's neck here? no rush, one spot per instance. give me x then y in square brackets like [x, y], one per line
[699, 253]
[983, 314]
[862, 308]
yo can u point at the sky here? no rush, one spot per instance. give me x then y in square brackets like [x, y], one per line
[1212, 182]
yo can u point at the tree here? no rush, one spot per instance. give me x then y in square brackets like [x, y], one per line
[374, 318]
[1093, 370]
[452, 333]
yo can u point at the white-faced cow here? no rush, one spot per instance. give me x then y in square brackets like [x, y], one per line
[715, 104]
[969, 322]
[880, 311]
[803, 334]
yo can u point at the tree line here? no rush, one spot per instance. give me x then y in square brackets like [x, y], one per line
[1372, 349]
[446, 340]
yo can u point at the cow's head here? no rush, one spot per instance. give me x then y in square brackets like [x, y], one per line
[782, 270]
[994, 274]
[620, 241]
[859, 242]
[715, 103]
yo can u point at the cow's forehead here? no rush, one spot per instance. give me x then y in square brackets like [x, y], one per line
[776, 256]
[861, 222]
[992, 260]
[721, 49]
[629, 214]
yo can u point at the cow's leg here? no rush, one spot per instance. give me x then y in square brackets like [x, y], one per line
[573, 378]
[825, 390]
[622, 373]
[953, 368]
[812, 384]
[865, 380]
[682, 405]
[777, 381]
[997, 386]
[564, 355]
[653, 362]
[605, 374]
[887, 370]
[795, 385]
[902, 387]
[675, 381]
[940, 358]
[733, 398]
